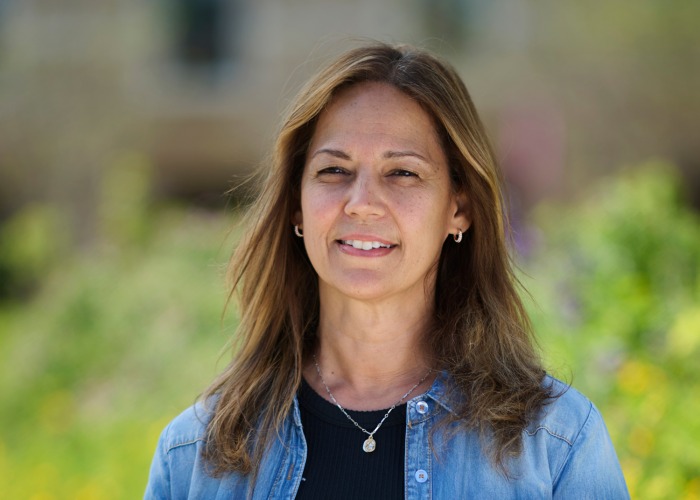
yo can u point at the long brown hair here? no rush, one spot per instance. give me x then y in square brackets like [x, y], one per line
[481, 335]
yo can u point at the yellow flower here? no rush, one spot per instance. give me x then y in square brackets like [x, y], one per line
[636, 377]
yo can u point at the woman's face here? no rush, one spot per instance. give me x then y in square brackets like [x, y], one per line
[376, 198]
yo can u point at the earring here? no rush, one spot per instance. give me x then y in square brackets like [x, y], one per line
[297, 231]
[458, 237]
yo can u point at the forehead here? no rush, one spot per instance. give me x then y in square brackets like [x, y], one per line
[377, 113]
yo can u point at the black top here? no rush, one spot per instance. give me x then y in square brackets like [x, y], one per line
[336, 465]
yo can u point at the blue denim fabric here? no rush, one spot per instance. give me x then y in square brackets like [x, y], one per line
[567, 453]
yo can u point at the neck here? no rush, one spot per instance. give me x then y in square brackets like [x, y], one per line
[371, 354]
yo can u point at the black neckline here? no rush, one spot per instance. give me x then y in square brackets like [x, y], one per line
[324, 409]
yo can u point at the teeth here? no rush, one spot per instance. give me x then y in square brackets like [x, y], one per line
[364, 245]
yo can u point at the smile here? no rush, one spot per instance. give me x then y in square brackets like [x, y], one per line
[365, 245]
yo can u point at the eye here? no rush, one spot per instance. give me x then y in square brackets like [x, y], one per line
[400, 172]
[334, 170]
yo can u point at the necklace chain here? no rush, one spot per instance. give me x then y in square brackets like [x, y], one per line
[370, 444]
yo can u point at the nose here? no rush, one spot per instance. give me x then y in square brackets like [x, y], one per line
[365, 198]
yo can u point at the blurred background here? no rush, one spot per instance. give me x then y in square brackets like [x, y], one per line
[124, 122]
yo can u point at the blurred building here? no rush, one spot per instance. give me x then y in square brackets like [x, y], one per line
[195, 86]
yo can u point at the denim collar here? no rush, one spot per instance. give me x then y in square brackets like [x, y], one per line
[439, 392]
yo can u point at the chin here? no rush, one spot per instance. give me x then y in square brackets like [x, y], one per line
[368, 287]
[361, 286]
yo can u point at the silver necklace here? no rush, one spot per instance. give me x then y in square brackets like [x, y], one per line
[370, 444]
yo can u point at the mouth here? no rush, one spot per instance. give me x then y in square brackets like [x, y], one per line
[365, 245]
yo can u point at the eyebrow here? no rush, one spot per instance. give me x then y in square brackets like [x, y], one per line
[332, 152]
[403, 154]
[388, 155]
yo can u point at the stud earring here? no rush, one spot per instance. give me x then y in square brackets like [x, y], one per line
[297, 231]
[458, 237]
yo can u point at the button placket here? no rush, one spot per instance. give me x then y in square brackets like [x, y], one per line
[418, 453]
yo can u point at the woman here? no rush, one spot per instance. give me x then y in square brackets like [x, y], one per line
[383, 351]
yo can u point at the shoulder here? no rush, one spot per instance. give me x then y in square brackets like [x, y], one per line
[566, 415]
[176, 468]
[582, 462]
[188, 428]
[566, 453]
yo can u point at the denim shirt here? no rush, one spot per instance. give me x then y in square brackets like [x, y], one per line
[567, 453]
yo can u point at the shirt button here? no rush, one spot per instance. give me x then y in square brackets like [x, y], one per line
[421, 476]
[422, 407]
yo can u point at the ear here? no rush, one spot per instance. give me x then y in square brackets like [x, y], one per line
[461, 213]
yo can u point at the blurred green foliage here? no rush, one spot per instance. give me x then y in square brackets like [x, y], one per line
[616, 282]
[117, 340]
[30, 244]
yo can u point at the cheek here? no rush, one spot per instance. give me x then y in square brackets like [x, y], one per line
[318, 214]
[420, 210]
[432, 222]
[315, 207]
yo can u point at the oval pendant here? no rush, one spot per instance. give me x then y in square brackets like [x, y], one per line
[369, 445]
